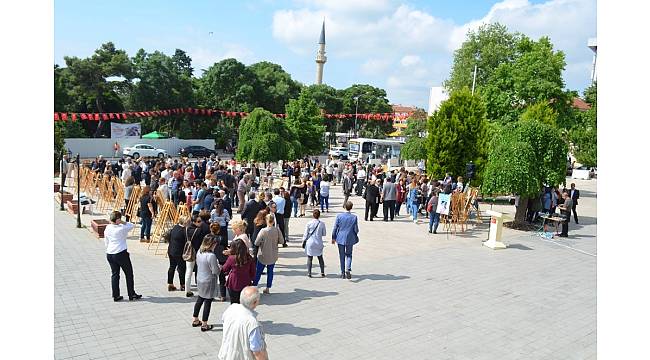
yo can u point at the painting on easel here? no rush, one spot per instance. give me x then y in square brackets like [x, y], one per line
[443, 204]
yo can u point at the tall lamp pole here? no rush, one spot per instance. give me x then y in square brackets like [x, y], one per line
[78, 192]
[61, 165]
[476, 58]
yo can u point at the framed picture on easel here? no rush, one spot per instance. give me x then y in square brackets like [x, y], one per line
[443, 204]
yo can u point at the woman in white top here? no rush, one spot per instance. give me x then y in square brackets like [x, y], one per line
[325, 193]
[313, 242]
[239, 228]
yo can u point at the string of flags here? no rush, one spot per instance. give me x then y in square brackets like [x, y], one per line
[62, 116]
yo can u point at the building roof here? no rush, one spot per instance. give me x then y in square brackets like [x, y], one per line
[322, 34]
[403, 109]
[580, 104]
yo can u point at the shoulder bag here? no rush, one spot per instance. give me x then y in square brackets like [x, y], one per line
[189, 254]
[304, 242]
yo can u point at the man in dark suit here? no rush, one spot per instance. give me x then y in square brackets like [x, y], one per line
[250, 212]
[372, 200]
[347, 187]
[574, 194]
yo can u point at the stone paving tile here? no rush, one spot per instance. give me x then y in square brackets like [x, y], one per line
[413, 295]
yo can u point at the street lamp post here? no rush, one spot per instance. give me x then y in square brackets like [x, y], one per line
[476, 58]
[78, 192]
[62, 163]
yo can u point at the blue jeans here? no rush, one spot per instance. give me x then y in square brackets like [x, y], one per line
[434, 220]
[324, 200]
[269, 275]
[145, 230]
[294, 204]
[414, 210]
[345, 257]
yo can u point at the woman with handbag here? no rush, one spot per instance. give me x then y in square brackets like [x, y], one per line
[208, 271]
[222, 245]
[267, 240]
[192, 244]
[312, 242]
[175, 253]
[240, 268]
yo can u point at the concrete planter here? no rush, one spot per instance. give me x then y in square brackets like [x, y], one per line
[65, 198]
[72, 206]
[99, 225]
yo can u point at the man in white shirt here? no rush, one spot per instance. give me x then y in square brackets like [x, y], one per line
[243, 337]
[361, 180]
[118, 257]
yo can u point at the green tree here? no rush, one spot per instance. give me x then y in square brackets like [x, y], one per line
[541, 112]
[457, 135]
[590, 94]
[306, 126]
[370, 100]
[525, 156]
[277, 87]
[328, 100]
[415, 147]
[513, 72]
[229, 85]
[90, 80]
[263, 137]
[488, 47]
[164, 82]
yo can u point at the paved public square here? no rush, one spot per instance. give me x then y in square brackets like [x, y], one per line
[413, 295]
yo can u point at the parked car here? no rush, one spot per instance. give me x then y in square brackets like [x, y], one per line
[144, 150]
[195, 150]
[339, 151]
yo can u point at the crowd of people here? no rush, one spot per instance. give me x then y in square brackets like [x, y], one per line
[257, 203]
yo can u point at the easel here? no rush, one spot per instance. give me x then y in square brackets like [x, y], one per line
[134, 204]
[119, 194]
[163, 223]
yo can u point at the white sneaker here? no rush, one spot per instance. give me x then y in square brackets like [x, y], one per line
[415, 221]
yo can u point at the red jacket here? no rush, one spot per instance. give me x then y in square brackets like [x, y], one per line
[238, 276]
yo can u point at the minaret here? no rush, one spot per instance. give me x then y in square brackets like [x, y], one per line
[320, 56]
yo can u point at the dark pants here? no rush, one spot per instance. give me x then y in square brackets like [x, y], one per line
[234, 296]
[345, 199]
[222, 283]
[398, 205]
[372, 208]
[360, 183]
[64, 175]
[575, 215]
[389, 208]
[206, 309]
[174, 263]
[117, 261]
[279, 219]
[565, 228]
[321, 262]
[145, 230]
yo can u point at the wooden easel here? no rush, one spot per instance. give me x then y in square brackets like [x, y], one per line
[119, 194]
[163, 223]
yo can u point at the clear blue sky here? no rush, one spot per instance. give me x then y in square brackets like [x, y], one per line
[404, 47]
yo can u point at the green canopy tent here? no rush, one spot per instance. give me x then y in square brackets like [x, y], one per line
[154, 135]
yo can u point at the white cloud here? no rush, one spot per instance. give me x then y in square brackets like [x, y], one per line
[374, 66]
[383, 32]
[410, 60]
[203, 58]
